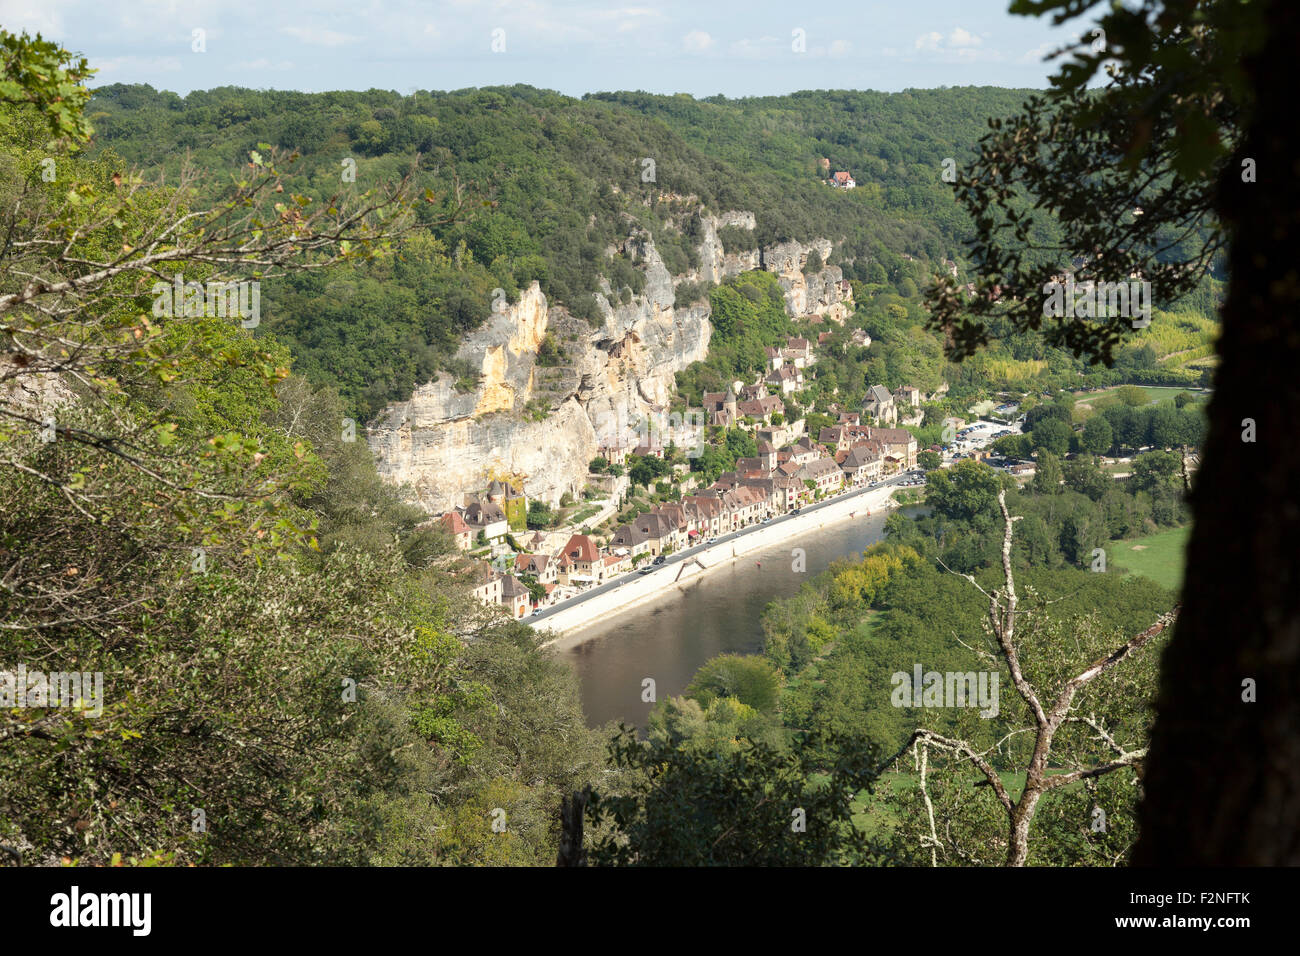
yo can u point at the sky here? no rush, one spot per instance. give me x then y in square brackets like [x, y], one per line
[700, 47]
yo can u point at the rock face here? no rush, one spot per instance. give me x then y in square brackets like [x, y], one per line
[543, 425]
[715, 263]
[805, 296]
[445, 442]
[818, 293]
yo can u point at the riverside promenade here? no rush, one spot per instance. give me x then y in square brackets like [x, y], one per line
[689, 565]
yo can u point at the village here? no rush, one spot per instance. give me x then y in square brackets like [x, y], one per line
[527, 571]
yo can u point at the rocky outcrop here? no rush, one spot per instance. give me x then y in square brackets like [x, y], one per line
[716, 264]
[542, 426]
[818, 293]
[445, 442]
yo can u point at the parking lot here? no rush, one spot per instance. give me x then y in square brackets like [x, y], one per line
[977, 435]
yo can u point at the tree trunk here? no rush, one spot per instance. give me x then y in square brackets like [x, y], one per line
[1222, 780]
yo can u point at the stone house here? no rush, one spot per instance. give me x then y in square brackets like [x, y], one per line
[577, 560]
[488, 517]
[709, 513]
[630, 539]
[720, 408]
[861, 464]
[613, 451]
[880, 405]
[460, 532]
[541, 566]
[514, 595]
[824, 473]
[805, 450]
[486, 583]
[898, 442]
[761, 409]
[512, 501]
[788, 380]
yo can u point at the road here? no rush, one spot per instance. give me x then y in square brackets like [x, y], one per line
[688, 552]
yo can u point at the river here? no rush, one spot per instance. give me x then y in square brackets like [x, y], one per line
[668, 640]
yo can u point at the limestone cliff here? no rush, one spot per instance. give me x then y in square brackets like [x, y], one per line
[446, 442]
[540, 424]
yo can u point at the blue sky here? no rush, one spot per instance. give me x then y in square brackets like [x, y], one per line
[574, 46]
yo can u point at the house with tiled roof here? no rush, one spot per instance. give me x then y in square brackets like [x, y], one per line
[824, 473]
[515, 596]
[805, 450]
[488, 517]
[744, 505]
[710, 515]
[880, 405]
[836, 436]
[460, 532]
[629, 538]
[657, 529]
[761, 409]
[789, 380]
[844, 180]
[720, 408]
[541, 566]
[899, 443]
[612, 565]
[789, 491]
[577, 560]
[486, 583]
[862, 464]
[614, 450]
[775, 500]
[801, 347]
[674, 517]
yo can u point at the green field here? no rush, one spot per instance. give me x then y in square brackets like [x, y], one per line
[1158, 556]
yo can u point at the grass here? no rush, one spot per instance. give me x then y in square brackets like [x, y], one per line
[582, 514]
[1158, 556]
[1093, 402]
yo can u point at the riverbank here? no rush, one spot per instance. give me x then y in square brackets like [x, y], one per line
[567, 622]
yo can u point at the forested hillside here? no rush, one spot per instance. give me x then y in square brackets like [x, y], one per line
[526, 184]
[552, 185]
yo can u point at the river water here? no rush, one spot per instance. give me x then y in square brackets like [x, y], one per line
[669, 639]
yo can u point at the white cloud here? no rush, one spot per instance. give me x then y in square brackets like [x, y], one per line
[1037, 53]
[20, 15]
[929, 41]
[697, 41]
[133, 65]
[960, 37]
[262, 64]
[316, 36]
